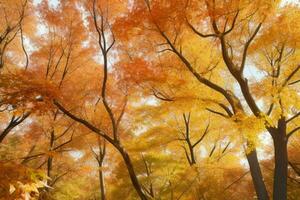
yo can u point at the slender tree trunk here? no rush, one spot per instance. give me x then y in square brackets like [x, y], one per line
[193, 158]
[116, 143]
[131, 172]
[49, 166]
[281, 161]
[50, 158]
[101, 180]
[257, 178]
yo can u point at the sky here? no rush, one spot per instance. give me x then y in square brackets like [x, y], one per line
[291, 1]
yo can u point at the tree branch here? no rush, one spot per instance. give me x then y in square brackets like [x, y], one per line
[233, 23]
[203, 135]
[237, 180]
[292, 118]
[15, 121]
[216, 112]
[290, 76]
[197, 32]
[247, 46]
[292, 132]
[63, 144]
[83, 122]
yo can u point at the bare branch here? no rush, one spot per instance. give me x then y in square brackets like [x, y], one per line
[15, 121]
[247, 46]
[233, 23]
[227, 110]
[226, 147]
[27, 158]
[122, 113]
[161, 96]
[292, 132]
[203, 135]
[292, 118]
[295, 168]
[65, 131]
[294, 82]
[24, 161]
[270, 109]
[164, 50]
[57, 63]
[290, 76]
[63, 144]
[237, 180]
[197, 32]
[212, 150]
[58, 177]
[216, 112]
[84, 122]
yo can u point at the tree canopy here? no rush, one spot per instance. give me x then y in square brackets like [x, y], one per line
[149, 99]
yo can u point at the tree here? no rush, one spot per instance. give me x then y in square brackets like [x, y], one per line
[100, 159]
[148, 99]
[105, 47]
[11, 24]
[234, 27]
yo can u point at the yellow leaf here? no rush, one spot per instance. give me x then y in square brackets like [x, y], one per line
[11, 189]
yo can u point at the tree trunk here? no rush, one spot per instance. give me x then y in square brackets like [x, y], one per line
[281, 161]
[117, 145]
[101, 180]
[193, 158]
[132, 173]
[257, 178]
[49, 166]
[50, 158]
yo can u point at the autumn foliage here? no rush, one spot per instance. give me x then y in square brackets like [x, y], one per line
[149, 99]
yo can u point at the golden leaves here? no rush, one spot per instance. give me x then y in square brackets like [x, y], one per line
[17, 181]
[138, 71]
[249, 127]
